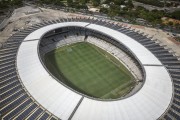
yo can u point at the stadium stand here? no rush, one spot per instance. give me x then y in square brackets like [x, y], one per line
[16, 101]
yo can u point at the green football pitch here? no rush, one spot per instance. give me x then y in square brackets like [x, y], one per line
[90, 70]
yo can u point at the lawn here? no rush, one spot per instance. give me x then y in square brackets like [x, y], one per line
[90, 70]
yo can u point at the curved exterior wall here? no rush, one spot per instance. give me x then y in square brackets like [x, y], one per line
[148, 103]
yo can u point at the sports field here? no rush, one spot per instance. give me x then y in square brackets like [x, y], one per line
[90, 70]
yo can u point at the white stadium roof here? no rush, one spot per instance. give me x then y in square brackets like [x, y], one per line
[40, 32]
[150, 102]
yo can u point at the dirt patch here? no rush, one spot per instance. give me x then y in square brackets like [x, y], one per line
[137, 26]
[174, 41]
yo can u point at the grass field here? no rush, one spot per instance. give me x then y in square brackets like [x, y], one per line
[90, 70]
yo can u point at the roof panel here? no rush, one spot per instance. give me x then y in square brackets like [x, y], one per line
[147, 104]
[37, 34]
[44, 88]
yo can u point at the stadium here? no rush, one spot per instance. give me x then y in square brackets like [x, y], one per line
[87, 69]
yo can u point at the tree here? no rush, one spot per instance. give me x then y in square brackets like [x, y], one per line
[176, 25]
[130, 4]
[114, 10]
[83, 1]
[170, 23]
[58, 2]
[9, 3]
[3, 4]
[119, 2]
[175, 15]
[104, 10]
[96, 2]
[69, 2]
[16, 2]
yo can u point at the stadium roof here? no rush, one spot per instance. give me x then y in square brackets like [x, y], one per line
[40, 32]
[150, 102]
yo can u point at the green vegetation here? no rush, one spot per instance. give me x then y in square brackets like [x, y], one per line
[177, 39]
[5, 4]
[152, 2]
[90, 70]
[78, 4]
[55, 2]
[175, 15]
[158, 3]
[120, 10]
[96, 2]
[123, 10]
[149, 17]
